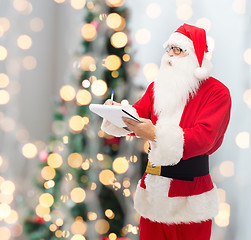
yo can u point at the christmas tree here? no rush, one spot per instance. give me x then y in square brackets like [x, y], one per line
[85, 176]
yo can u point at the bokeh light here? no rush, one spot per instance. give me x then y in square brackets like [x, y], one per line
[24, 42]
[4, 97]
[86, 83]
[5, 233]
[150, 71]
[114, 3]
[78, 4]
[67, 93]
[102, 226]
[109, 213]
[87, 63]
[4, 80]
[7, 187]
[153, 10]
[247, 56]
[247, 97]
[76, 123]
[55, 160]
[48, 173]
[143, 36]
[78, 195]
[88, 32]
[204, 23]
[29, 150]
[184, 11]
[227, 169]
[112, 62]
[243, 140]
[222, 219]
[42, 211]
[75, 160]
[239, 6]
[46, 200]
[120, 165]
[78, 237]
[36, 24]
[78, 227]
[99, 87]
[113, 20]
[3, 53]
[4, 24]
[29, 62]
[119, 39]
[83, 97]
[106, 177]
[12, 218]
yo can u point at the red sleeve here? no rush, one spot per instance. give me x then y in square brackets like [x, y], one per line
[210, 125]
[144, 105]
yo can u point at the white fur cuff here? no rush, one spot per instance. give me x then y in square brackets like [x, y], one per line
[113, 130]
[168, 146]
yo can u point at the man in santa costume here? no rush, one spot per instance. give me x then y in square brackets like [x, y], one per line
[184, 114]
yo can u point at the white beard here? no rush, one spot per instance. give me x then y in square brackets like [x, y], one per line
[175, 83]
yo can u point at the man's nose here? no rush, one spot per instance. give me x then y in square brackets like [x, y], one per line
[170, 53]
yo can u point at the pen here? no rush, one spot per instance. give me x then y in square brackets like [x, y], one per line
[112, 96]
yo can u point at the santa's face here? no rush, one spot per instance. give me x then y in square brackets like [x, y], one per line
[175, 81]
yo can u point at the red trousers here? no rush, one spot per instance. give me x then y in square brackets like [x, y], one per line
[149, 230]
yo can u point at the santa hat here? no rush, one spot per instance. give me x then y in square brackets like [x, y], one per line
[192, 39]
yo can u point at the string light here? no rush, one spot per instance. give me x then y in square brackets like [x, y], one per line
[76, 123]
[78, 226]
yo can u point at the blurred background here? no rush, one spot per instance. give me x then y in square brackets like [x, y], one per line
[61, 177]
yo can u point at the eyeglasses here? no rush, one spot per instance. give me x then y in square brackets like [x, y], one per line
[176, 50]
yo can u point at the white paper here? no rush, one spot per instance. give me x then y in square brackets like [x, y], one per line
[112, 113]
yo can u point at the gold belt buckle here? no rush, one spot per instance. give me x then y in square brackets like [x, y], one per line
[155, 170]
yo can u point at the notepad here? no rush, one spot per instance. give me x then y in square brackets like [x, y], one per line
[112, 113]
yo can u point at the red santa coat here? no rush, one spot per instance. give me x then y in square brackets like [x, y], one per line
[198, 130]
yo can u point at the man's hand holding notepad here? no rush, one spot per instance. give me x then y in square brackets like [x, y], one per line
[113, 113]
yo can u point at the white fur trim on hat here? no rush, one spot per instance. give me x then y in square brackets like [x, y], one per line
[161, 208]
[203, 72]
[168, 146]
[180, 40]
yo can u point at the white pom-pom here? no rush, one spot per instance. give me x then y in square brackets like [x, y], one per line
[201, 73]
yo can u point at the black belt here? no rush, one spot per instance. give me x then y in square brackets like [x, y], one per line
[184, 170]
